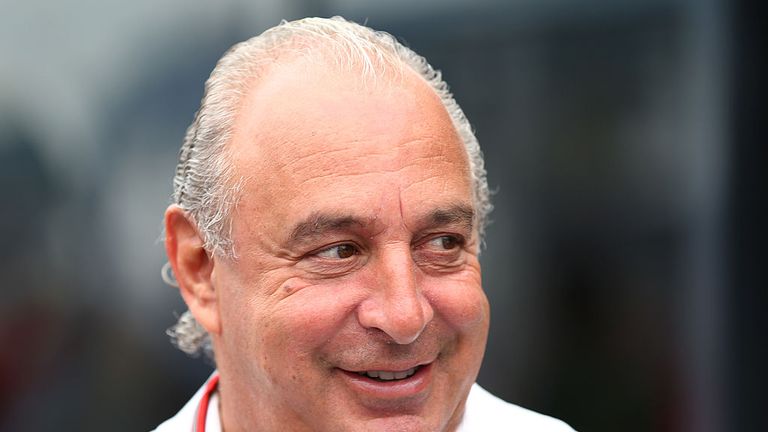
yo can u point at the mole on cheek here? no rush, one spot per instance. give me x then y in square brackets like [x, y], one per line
[288, 288]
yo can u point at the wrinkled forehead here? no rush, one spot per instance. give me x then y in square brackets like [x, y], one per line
[308, 126]
[303, 104]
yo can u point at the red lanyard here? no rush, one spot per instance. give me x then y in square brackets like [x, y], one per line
[202, 409]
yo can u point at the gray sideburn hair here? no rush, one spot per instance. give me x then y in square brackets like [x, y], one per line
[203, 185]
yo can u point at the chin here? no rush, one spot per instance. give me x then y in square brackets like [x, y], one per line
[405, 423]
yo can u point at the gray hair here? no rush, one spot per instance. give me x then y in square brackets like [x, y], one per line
[203, 184]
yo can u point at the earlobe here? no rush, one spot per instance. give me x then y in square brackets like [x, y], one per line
[193, 267]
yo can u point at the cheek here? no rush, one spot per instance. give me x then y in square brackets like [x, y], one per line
[462, 303]
[296, 339]
[302, 323]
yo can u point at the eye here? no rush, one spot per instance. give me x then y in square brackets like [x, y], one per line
[446, 242]
[442, 253]
[339, 251]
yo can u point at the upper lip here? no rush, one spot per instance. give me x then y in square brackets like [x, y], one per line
[388, 367]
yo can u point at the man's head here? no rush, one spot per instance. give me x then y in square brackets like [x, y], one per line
[329, 205]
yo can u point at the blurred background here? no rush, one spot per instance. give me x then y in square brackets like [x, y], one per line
[626, 254]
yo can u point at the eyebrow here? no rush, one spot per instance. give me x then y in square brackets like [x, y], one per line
[458, 214]
[319, 223]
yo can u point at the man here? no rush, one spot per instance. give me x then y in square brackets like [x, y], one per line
[329, 206]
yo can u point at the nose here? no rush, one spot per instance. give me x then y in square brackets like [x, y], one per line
[396, 306]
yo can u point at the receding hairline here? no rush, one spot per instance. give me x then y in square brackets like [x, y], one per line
[322, 55]
[394, 74]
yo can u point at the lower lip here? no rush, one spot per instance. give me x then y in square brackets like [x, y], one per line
[414, 385]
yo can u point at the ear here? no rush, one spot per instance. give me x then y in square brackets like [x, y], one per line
[193, 267]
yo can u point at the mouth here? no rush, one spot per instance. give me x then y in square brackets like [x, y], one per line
[395, 384]
[380, 375]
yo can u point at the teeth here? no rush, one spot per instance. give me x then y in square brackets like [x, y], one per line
[389, 376]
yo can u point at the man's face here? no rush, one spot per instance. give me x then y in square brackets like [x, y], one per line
[357, 258]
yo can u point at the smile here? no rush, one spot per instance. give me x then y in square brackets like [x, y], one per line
[389, 375]
[381, 388]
